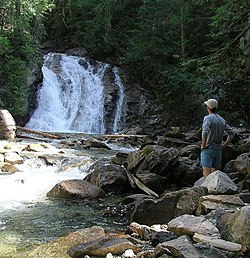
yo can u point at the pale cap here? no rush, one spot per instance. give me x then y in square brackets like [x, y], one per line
[212, 103]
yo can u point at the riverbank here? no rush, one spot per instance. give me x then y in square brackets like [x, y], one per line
[167, 165]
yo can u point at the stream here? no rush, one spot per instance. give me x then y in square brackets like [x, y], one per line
[29, 218]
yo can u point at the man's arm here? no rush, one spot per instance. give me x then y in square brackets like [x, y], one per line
[204, 133]
[230, 136]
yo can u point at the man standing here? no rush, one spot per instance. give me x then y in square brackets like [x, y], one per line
[213, 128]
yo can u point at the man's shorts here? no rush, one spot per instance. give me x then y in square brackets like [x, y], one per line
[211, 156]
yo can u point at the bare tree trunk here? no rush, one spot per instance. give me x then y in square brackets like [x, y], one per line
[18, 8]
[182, 35]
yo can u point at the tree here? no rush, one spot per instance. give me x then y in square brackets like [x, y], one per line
[21, 29]
[227, 58]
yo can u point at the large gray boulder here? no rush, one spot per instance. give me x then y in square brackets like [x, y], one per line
[76, 189]
[171, 205]
[190, 224]
[107, 175]
[154, 158]
[182, 247]
[236, 227]
[58, 248]
[218, 183]
[7, 125]
[101, 247]
[242, 163]
[212, 202]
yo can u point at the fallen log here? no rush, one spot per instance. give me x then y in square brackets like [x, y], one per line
[135, 181]
[117, 136]
[47, 135]
[18, 135]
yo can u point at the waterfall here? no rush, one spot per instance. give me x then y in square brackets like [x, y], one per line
[72, 96]
[120, 102]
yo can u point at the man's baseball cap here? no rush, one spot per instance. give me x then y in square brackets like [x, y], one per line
[212, 103]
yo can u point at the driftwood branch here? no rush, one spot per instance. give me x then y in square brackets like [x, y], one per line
[30, 137]
[136, 182]
[47, 135]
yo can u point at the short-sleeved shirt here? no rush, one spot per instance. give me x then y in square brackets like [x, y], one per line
[213, 129]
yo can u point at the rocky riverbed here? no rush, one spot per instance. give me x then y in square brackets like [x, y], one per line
[168, 208]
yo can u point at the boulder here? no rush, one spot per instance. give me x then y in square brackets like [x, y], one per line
[40, 147]
[228, 154]
[13, 158]
[107, 175]
[236, 227]
[189, 150]
[120, 158]
[190, 224]
[209, 251]
[157, 159]
[94, 143]
[182, 247]
[76, 189]
[102, 246]
[218, 183]
[185, 172]
[242, 163]
[219, 243]
[7, 125]
[162, 236]
[162, 210]
[171, 142]
[58, 248]
[152, 181]
[6, 167]
[244, 145]
[145, 232]
[212, 202]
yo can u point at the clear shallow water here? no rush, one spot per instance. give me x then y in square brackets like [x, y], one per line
[28, 217]
[43, 221]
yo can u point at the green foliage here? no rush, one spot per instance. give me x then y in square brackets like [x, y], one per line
[229, 54]
[182, 89]
[16, 90]
[168, 45]
[21, 28]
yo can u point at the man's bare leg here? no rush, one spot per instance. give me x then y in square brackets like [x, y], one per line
[206, 171]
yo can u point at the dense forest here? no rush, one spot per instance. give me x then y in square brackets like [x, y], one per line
[181, 51]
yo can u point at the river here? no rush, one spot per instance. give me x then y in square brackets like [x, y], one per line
[28, 217]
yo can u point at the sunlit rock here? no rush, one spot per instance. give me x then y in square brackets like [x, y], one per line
[219, 243]
[212, 202]
[103, 246]
[7, 125]
[76, 189]
[235, 226]
[58, 248]
[190, 224]
[218, 183]
[9, 168]
[13, 158]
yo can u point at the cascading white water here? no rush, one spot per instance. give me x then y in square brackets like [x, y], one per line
[120, 102]
[72, 96]
[32, 184]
